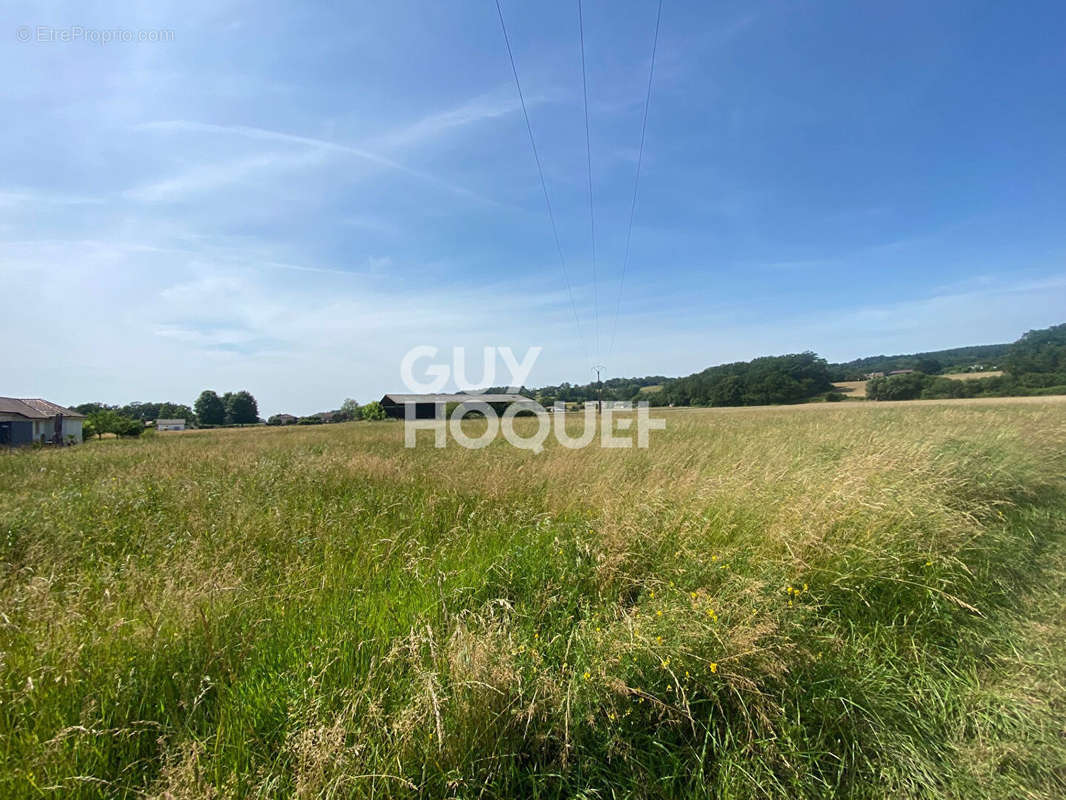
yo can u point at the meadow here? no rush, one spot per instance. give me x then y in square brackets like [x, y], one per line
[843, 600]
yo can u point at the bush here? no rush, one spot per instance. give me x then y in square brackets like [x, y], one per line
[126, 426]
[373, 411]
[898, 387]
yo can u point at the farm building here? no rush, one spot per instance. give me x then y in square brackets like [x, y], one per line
[610, 405]
[170, 424]
[425, 405]
[28, 420]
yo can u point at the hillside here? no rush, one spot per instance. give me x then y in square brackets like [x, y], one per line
[956, 359]
[800, 377]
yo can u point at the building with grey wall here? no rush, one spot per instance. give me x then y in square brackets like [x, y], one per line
[27, 420]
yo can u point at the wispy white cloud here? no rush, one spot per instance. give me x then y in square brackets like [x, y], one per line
[12, 199]
[479, 109]
[207, 177]
[322, 145]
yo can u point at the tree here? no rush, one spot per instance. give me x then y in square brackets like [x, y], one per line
[128, 426]
[349, 410]
[899, 387]
[210, 409]
[930, 366]
[770, 379]
[241, 408]
[373, 411]
[89, 408]
[104, 421]
[108, 420]
[1039, 351]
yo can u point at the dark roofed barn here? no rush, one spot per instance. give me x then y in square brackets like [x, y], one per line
[425, 405]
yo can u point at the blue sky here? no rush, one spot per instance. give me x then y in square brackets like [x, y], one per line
[287, 197]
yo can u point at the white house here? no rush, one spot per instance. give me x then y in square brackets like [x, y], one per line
[31, 419]
[170, 424]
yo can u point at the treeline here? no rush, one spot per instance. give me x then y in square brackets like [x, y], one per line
[142, 411]
[350, 411]
[1034, 365]
[612, 389]
[210, 410]
[769, 380]
[130, 419]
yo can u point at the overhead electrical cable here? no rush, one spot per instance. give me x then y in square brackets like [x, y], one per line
[636, 181]
[543, 183]
[592, 207]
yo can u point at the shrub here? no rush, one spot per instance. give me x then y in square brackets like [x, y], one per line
[373, 411]
[125, 426]
[898, 387]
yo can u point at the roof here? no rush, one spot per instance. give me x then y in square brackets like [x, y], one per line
[170, 422]
[35, 408]
[457, 398]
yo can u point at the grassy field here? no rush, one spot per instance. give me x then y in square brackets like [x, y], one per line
[969, 376]
[863, 600]
[851, 388]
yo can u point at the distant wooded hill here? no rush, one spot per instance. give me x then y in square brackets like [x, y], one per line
[956, 359]
[1036, 362]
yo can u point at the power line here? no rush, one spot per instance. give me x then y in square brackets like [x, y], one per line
[636, 181]
[592, 211]
[543, 183]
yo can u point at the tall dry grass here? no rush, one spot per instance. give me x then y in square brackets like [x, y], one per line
[762, 604]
